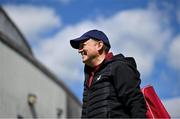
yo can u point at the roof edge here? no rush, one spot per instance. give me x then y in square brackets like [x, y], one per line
[17, 29]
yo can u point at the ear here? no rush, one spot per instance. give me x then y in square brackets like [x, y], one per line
[100, 45]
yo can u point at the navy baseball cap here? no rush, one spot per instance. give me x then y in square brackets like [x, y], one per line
[96, 34]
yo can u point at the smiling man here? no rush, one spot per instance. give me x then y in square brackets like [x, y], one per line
[112, 83]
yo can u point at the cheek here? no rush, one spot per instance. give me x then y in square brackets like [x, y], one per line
[92, 52]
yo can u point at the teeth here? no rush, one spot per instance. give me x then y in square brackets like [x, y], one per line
[82, 53]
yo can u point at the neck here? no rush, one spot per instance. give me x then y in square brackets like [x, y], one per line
[97, 61]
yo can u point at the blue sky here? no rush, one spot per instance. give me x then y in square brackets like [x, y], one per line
[148, 30]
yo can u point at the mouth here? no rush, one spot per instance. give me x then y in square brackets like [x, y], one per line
[83, 54]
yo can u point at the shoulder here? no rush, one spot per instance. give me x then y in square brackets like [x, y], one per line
[118, 64]
[119, 67]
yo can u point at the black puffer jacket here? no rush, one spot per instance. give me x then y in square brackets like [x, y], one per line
[115, 91]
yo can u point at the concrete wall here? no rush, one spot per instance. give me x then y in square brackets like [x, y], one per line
[73, 108]
[18, 78]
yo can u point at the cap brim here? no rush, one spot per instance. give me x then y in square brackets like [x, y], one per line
[76, 42]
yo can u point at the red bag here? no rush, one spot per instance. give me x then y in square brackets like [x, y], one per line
[155, 108]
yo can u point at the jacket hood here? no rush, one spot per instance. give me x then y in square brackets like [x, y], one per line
[128, 60]
[120, 57]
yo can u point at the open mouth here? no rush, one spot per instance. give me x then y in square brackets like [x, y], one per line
[83, 53]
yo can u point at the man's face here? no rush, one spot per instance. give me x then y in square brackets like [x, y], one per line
[88, 50]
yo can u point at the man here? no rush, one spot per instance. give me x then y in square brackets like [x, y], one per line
[112, 83]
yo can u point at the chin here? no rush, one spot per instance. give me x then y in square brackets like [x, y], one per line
[85, 61]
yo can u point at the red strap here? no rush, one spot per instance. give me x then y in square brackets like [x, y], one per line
[155, 108]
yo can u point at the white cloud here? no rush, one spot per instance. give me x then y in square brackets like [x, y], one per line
[138, 33]
[172, 106]
[141, 33]
[33, 20]
[174, 54]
